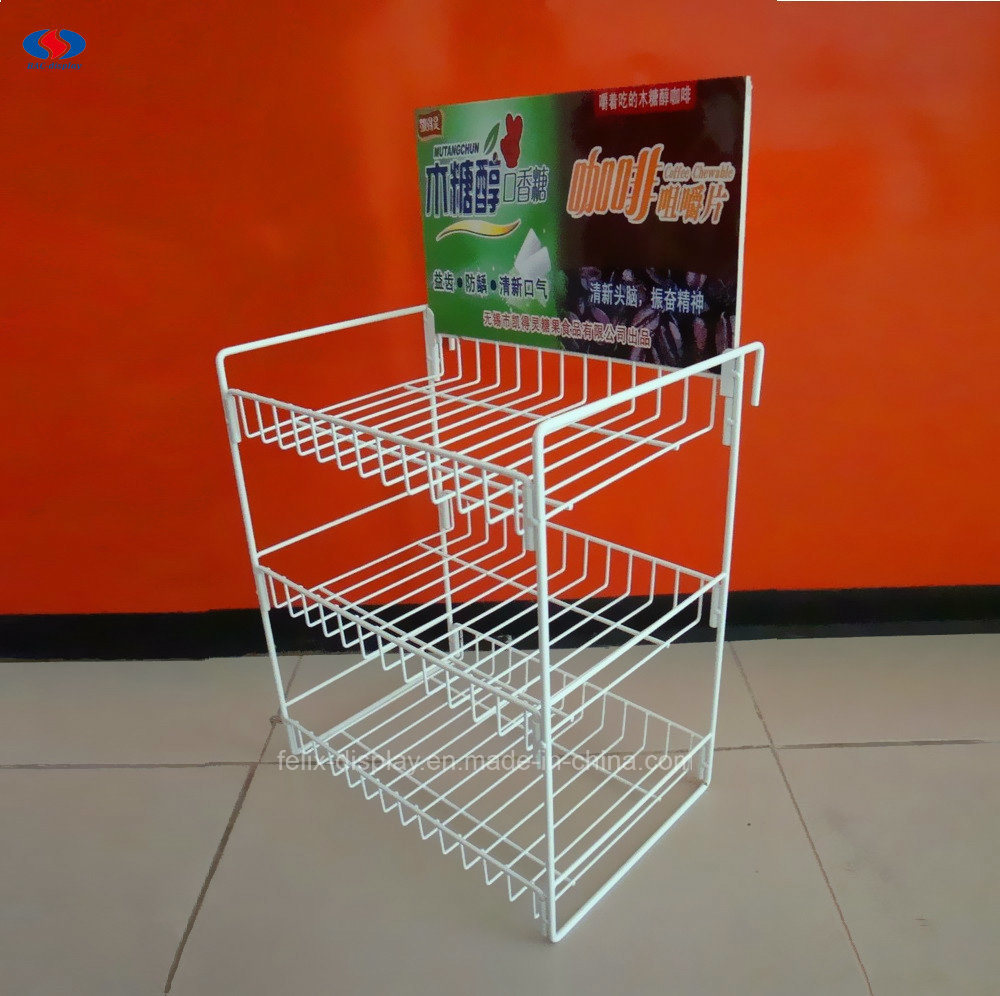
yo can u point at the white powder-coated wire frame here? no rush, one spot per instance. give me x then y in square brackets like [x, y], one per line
[502, 439]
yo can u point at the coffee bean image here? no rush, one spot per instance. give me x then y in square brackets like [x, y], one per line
[688, 315]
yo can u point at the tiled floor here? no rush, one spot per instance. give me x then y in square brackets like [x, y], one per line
[847, 844]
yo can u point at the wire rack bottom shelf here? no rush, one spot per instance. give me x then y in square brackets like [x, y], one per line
[480, 793]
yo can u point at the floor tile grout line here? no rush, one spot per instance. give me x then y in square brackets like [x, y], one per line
[224, 840]
[802, 821]
[217, 857]
[295, 671]
[887, 743]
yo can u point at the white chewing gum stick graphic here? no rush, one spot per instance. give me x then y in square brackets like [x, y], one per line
[532, 260]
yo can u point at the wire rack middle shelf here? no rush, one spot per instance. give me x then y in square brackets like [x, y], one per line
[458, 610]
[465, 433]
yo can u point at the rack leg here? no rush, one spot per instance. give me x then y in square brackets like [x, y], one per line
[735, 410]
[294, 741]
[538, 524]
[232, 423]
[708, 752]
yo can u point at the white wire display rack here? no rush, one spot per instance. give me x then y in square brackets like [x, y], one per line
[504, 737]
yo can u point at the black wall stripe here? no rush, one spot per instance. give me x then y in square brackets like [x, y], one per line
[753, 615]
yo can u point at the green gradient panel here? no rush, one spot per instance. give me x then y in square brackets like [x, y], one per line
[459, 311]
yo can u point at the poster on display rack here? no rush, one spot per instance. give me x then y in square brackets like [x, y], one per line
[607, 222]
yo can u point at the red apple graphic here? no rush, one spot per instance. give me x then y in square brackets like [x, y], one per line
[510, 144]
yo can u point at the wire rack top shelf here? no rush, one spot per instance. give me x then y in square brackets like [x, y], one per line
[466, 432]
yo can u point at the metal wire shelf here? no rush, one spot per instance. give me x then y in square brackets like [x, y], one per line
[476, 792]
[464, 432]
[500, 439]
[458, 609]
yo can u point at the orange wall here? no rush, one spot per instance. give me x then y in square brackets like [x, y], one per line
[221, 171]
